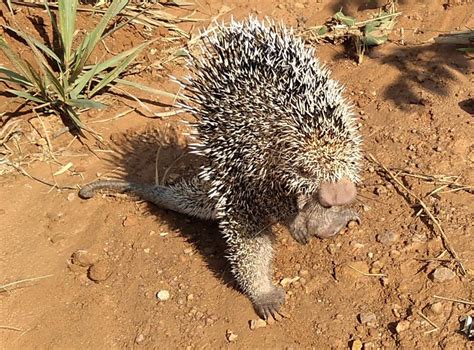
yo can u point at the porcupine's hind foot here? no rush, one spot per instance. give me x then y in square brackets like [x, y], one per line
[268, 304]
[314, 220]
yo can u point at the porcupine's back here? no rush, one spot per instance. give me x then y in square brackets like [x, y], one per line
[267, 112]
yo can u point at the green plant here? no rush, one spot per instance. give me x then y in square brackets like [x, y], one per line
[62, 80]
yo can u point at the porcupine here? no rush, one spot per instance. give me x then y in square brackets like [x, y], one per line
[280, 143]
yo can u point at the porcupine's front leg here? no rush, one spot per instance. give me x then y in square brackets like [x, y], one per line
[250, 256]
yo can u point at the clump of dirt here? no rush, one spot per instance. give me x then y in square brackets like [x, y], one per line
[114, 272]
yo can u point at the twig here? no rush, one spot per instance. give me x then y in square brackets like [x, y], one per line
[120, 115]
[435, 221]
[157, 157]
[44, 182]
[163, 179]
[367, 274]
[11, 328]
[5, 286]
[436, 328]
[459, 301]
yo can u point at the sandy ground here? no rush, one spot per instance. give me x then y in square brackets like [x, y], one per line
[377, 285]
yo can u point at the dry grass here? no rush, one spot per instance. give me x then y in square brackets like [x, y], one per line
[436, 222]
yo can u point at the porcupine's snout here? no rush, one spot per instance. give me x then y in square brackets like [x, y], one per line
[342, 192]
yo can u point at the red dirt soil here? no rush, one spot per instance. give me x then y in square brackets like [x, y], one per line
[373, 285]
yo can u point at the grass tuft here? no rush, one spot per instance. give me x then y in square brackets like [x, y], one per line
[61, 80]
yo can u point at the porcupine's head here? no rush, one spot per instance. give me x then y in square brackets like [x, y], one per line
[266, 108]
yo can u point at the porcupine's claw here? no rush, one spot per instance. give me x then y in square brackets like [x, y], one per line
[268, 305]
[332, 222]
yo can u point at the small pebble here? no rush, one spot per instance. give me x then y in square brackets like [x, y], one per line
[163, 234]
[356, 345]
[437, 308]
[352, 224]
[366, 317]
[83, 258]
[304, 273]
[380, 190]
[130, 220]
[402, 326]
[255, 324]
[387, 237]
[287, 281]
[163, 295]
[99, 272]
[71, 197]
[230, 336]
[369, 346]
[442, 274]
[139, 339]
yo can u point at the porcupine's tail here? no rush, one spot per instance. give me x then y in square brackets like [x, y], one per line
[185, 197]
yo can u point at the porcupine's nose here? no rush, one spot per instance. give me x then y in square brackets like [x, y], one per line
[337, 193]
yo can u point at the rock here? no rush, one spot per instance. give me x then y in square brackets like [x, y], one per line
[304, 273]
[287, 281]
[356, 345]
[140, 338]
[71, 197]
[402, 326]
[99, 272]
[352, 224]
[255, 324]
[367, 317]
[380, 190]
[83, 258]
[230, 336]
[387, 237]
[442, 274]
[130, 220]
[163, 295]
[437, 308]
[369, 346]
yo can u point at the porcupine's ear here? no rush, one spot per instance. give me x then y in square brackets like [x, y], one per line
[337, 193]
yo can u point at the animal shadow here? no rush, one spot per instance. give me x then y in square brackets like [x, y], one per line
[160, 155]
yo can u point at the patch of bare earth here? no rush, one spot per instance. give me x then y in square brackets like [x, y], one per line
[388, 283]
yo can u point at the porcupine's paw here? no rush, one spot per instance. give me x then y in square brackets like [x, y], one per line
[300, 233]
[268, 304]
[335, 219]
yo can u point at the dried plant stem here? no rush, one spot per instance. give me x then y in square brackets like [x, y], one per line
[436, 328]
[11, 328]
[459, 301]
[11, 284]
[44, 182]
[442, 234]
[365, 273]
